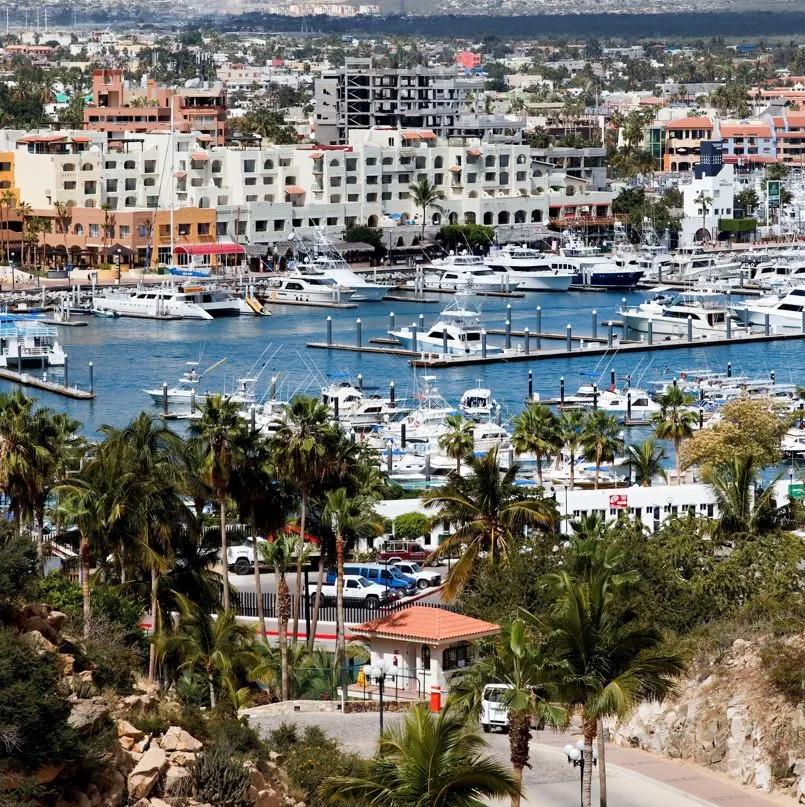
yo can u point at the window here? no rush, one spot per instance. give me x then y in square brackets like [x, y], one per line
[216, 166]
[129, 165]
[261, 226]
[248, 166]
[109, 165]
[142, 230]
[150, 166]
[371, 160]
[438, 179]
[405, 179]
[335, 198]
[131, 184]
[78, 229]
[241, 229]
[250, 181]
[87, 167]
[268, 165]
[69, 186]
[203, 228]
[332, 221]
[221, 228]
[184, 229]
[387, 161]
[279, 225]
[352, 164]
[425, 657]
[111, 186]
[94, 230]
[130, 201]
[268, 180]
[371, 197]
[125, 230]
[454, 658]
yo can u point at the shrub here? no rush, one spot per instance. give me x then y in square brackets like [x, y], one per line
[62, 594]
[410, 526]
[114, 661]
[17, 563]
[220, 778]
[283, 738]
[785, 665]
[225, 729]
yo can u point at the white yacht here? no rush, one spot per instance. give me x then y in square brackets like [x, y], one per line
[335, 268]
[462, 273]
[530, 269]
[784, 312]
[299, 287]
[351, 405]
[779, 273]
[27, 343]
[613, 401]
[457, 331]
[692, 265]
[478, 404]
[169, 301]
[669, 315]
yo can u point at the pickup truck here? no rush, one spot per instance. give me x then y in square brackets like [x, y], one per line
[356, 590]
[240, 559]
[425, 578]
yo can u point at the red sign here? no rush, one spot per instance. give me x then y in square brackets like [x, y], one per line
[619, 501]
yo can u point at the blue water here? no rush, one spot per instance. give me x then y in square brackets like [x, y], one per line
[130, 355]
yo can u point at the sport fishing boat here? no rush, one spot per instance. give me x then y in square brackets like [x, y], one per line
[172, 302]
[478, 404]
[305, 287]
[462, 273]
[669, 315]
[784, 312]
[26, 342]
[530, 269]
[591, 268]
[351, 405]
[457, 331]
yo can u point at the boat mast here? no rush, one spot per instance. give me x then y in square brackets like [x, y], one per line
[172, 184]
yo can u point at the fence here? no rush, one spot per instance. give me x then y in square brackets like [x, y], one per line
[245, 604]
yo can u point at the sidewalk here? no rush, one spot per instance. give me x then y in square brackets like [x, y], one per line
[686, 777]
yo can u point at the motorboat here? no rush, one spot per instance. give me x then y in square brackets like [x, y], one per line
[695, 265]
[478, 404]
[622, 402]
[27, 343]
[339, 271]
[668, 316]
[461, 273]
[592, 269]
[530, 269]
[169, 301]
[457, 331]
[351, 405]
[784, 312]
[305, 287]
[487, 436]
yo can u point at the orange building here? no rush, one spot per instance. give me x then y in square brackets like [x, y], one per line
[683, 138]
[117, 108]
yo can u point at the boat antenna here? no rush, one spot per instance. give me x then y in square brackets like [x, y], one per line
[172, 182]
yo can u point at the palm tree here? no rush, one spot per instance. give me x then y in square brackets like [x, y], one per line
[704, 201]
[429, 761]
[645, 460]
[216, 646]
[7, 200]
[300, 448]
[64, 215]
[45, 227]
[516, 660]
[571, 425]
[609, 659]
[675, 422]
[425, 195]
[25, 211]
[459, 441]
[346, 514]
[489, 513]
[536, 431]
[600, 439]
[222, 433]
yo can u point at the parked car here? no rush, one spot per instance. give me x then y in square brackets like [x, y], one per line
[494, 713]
[240, 558]
[402, 550]
[384, 574]
[424, 578]
[357, 589]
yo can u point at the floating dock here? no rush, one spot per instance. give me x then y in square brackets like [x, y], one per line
[28, 380]
[387, 351]
[268, 303]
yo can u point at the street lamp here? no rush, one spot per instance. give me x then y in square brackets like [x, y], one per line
[378, 672]
[117, 258]
[575, 757]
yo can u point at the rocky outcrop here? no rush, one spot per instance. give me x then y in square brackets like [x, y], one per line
[728, 718]
[89, 716]
[177, 739]
[146, 772]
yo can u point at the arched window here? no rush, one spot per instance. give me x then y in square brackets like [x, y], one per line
[503, 217]
[78, 229]
[536, 216]
[490, 160]
[425, 655]
[131, 201]
[436, 218]
[519, 217]
[71, 203]
[453, 218]
[129, 165]
[372, 221]
[87, 167]
[438, 162]
[335, 164]
[469, 218]
[488, 219]
[290, 180]
[216, 166]
[68, 167]
[267, 165]
[473, 194]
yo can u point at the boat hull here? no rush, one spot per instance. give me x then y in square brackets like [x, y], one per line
[626, 279]
[529, 281]
[664, 326]
[426, 345]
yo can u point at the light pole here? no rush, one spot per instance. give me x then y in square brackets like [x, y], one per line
[575, 757]
[378, 672]
[117, 258]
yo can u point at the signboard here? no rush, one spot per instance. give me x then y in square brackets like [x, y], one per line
[796, 490]
[773, 191]
[619, 501]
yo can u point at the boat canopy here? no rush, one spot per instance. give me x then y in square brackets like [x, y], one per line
[210, 249]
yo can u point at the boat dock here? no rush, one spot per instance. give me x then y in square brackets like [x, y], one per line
[267, 302]
[28, 380]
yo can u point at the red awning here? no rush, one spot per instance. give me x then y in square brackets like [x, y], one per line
[199, 156]
[210, 249]
[294, 190]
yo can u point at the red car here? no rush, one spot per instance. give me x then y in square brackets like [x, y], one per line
[402, 550]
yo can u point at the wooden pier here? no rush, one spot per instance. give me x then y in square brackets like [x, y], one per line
[547, 335]
[28, 380]
[387, 351]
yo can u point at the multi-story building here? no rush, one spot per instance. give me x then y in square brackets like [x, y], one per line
[748, 143]
[709, 197]
[589, 164]
[683, 138]
[360, 96]
[118, 108]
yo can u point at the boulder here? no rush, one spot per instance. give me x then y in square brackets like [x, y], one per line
[146, 772]
[89, 715]
[66, 663]
[40, 643]
[177, 739]
[36, 623]
[801, 791]
[125, 729]
[56, 620]
[268, 798]
[182, 758]
[256, 779]
[763, 776]
[159, 803]
[142, 803]
[112, 795]
[178, 781]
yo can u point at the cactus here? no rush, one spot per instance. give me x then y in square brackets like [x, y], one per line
[221, 779]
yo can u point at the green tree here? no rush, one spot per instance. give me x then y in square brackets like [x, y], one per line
[537, 431]
[361, 234]
[411, 526]
[463, 236]
[746, 200]
[425, 195]
[571, 426]
[489, 513]
[428, 761]
[600, 439]
[675, 422]
[645, 462]
[459, 441]
[268, 124]
[515, 659]
[776, 171]
[223, 434]
[704, 202]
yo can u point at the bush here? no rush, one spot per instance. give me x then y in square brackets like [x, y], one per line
[225, 729]
[221, 778]
[785, 665]
[284, 738]
[18, 563]
[114, 661]
[410, 526]
[62, 594]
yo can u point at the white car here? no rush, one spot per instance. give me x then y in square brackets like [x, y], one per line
[240, 558]
[425, 578]
[356, 589]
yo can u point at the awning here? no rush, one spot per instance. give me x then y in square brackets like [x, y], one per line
[199, 156]
[474, 152]
[316, 155]
[210, 249]
[427, 135]
[455, 169]
[294, 190]
[180, 174]
[410, 135]
[81, 139]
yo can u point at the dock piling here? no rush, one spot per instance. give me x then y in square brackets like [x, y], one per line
[388, 457]
[329, 330]
[766, 328]
[539, 327]
[595, 324]
[66, 371]
[628, 405]
[391, 320]
[610, 335]
[427, 466]
[527, 340]
[165, 398]
[414, 345]
[422, 322]
[690, 328]
[612, 380]
[444, 341]
[729, 369]
[729, 326]
[402, 435]
[253, 418]
[562, 390]
[802, 327]
[192, 402]
[508, 333]
[358, 332]
[483, 344]
[91, 378]
[595, 397]
[530, 385]
[360, 382]
[771, 376]
[273, 387]
[569, 337]
[650, 339]
[391, 393]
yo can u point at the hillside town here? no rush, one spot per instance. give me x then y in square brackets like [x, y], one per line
[399, 421]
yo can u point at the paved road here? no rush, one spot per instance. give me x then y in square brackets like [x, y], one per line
[551, 781]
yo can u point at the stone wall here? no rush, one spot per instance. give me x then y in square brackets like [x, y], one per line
[729, 718]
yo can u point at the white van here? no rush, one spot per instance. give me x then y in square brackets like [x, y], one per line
[494, 713]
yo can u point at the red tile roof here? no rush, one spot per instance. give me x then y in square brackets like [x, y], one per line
[745, 130]
[689, 123]
[427, 625]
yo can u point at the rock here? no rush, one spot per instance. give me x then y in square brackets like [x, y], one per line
[146, 772]
[113, 793]
[801, 791]
[797, 767]
[267, 798]
[141, 746]
[66, 663]
[177, 739]
[40, 643]
[125, 729]
[89, 715]
[159, 803]
[40, 625]
[83, 800]
[275, 756]
[178, 781]
[56, 620]
[141, 803]
[763, 776]
[257, 780]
